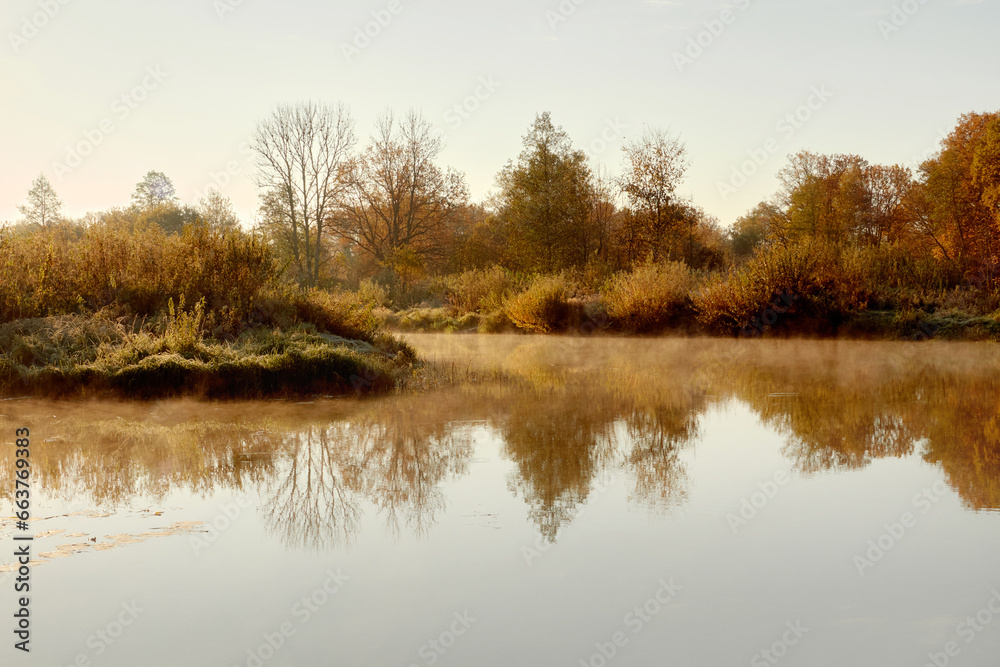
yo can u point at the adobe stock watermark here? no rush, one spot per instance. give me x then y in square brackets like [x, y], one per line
[121, 108]
[541, 546]
[915, 161]
[773, 654]
[223, 7]
[456, 116]
[562, 12]
[758, 500]
[222, 179]
[635, 620]
[365, 35]
[302, 611]
[713, 30]
[968, 630]
[899, 17]
[104, 638]
[32, 25]
[782, 303]
[436, 647]
[786, 127]
[610, 134]
[894, 532]
[220, 523]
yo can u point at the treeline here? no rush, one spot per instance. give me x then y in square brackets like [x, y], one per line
[844, 235]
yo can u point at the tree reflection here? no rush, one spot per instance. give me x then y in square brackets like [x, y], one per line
[564, 416]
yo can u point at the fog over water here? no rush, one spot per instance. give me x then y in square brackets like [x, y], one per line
[835, 502]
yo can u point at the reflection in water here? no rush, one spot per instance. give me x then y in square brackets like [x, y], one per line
[388, 454]
[565, 412]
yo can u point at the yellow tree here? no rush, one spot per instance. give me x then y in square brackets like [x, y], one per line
[654, 167]
[953, 200]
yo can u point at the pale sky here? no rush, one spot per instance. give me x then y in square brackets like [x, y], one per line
[178, 86]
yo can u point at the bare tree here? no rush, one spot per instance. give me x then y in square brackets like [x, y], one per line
[304, 155]
[400, 201]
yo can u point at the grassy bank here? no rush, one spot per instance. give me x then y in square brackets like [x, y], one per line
[803, 289]
[137, 313]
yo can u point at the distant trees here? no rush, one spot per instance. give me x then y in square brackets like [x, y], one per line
[393, 212]
[154, 190]
[839, 198]
[756, 229]
[216, 210]
[949, 210]
[44, 206]
[154, 201]
[303, 167]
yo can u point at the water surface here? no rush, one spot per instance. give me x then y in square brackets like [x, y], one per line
[604, 501]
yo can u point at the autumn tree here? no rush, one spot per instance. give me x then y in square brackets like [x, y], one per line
[654, 167]
[154, 201]
[758, 228]
[953, 197]
[400, 205]
[986, 167]
[841, 199]
[603, 211]
[216, 210]
[303, 165]
[545, 201]
[44, 206]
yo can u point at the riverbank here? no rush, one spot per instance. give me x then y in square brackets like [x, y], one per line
[73, 356]
[900, 325]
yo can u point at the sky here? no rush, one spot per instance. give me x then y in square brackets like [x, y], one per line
[98, 92]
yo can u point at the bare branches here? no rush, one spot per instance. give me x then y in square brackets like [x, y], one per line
[303, 161]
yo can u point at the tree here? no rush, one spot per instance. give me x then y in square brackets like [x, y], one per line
[43, 206]
[545, 200]
[154, 190]
[303, 164]
[753, 231]
[986, 167]
[216, 210]
[400, 206]
[953, 195]
[654, 167]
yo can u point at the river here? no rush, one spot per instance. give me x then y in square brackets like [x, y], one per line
[569, 502]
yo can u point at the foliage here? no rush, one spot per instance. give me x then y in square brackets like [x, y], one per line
[545, 201]
[544, 306]
[654, 167]
[481, 290]
[825, 286]
[650, 296]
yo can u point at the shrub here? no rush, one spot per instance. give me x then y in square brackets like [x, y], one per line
[371, 292]
[829, 285]
[480, 290]
[544, 306]
[650, 296]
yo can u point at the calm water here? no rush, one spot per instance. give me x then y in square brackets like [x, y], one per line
[594, 502]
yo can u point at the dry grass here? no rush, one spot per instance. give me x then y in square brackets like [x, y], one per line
[649, 297]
